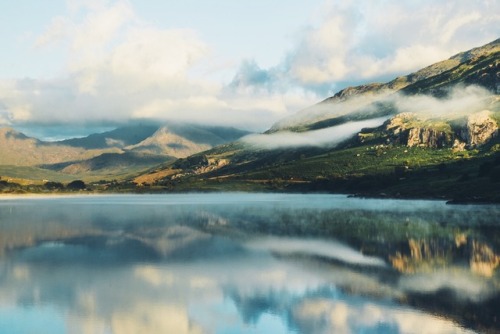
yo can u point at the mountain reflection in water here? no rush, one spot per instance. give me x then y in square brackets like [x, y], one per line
[247, 263]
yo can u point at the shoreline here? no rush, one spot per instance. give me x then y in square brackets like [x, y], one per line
[54, 195]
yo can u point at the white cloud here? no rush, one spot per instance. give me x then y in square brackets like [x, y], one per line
[57, 30]
[375, 41]
[326, 316]
[378, 39]
[459, 102]
[464, 283]
[119, 67]
[154, 318]
[327, 137]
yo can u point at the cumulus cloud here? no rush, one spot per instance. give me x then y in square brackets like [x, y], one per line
[380, 39]
[465, 284]
[375, 41]
[120, 68]
[321, 315]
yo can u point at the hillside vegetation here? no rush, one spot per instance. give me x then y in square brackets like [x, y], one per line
[440, 139]
[110, 155]
[432, 134]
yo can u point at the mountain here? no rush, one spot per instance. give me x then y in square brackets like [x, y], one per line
[126, 149]
[182, 140]
[110, 163]
[120, 137]
[478, 66]
[21, 150]
[432, 133]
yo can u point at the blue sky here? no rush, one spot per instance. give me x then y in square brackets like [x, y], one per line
[246, 63]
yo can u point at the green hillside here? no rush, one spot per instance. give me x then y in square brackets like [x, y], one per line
[448, 154]
[434, 134]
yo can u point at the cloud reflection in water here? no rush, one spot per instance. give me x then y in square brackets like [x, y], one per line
[193, 269]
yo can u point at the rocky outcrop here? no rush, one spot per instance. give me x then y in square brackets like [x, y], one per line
[473, 131]
[427, 137]
[197, 164]
[479, 129]
[407, 129]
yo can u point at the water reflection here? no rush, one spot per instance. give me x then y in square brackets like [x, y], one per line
[246, 263]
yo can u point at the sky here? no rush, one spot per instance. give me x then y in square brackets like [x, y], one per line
[78, 65]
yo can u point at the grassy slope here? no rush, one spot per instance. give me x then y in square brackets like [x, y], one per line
[35, 175]
[478, 66]
[369, 168]
[32, 173]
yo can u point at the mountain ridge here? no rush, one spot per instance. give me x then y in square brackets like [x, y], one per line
[436, 136]
[124, 150]
[456, 139]
[480, 64]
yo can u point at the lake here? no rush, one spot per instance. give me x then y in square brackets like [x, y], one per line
[247, 263]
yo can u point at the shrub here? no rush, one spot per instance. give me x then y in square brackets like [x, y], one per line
[76, 185]
[53, 185]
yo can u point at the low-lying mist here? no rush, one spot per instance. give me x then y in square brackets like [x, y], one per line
[333, 108]
[327, 137]
[459, 102]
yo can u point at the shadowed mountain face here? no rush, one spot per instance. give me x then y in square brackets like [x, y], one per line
[120, 137]
[110, 162]
[140, 135]
[182, 140]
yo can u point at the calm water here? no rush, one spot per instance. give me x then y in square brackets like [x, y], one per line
[247, 263]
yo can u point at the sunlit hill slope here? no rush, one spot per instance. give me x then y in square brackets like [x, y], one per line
[432, 133]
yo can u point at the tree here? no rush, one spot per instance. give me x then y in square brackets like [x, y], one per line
[76, 185]
[53, 185]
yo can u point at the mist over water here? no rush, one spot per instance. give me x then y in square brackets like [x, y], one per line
[243, 263]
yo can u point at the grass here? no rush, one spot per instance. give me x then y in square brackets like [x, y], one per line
[394, 170]
[34, 175]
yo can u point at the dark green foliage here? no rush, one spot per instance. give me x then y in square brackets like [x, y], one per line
[191, 162]
[386, 170]
[10, 187]
[76, 185]
[54, 185]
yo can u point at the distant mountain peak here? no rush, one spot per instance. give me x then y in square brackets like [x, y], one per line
[164, 141]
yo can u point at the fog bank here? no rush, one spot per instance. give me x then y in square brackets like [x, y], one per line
[327, 137]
